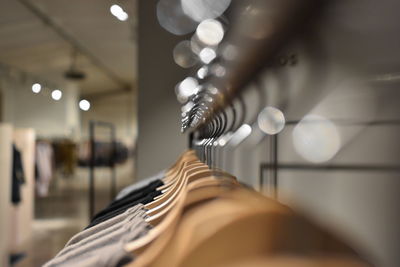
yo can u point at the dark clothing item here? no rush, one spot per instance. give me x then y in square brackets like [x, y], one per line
[140, 196]
[140, 184]
[105, 154]
[16, 257]
[18, 177]
[132, 197]
[65, 156]
[112, 213]
[139, 193]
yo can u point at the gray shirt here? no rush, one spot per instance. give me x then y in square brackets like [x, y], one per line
[137, 210]
[104, 250]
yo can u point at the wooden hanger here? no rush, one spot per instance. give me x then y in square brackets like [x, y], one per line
[177, 180]
[187, 156]
[208, 188]
[263, 233]
[177, 203]
[199, 190]
[291, 260]
[181, 182]
[265, 228]
[262, 226]
[270, 223]
[171, 194]
[184, 157]
[173, 180]
[195, 172]
[221, 211]
[188, 177]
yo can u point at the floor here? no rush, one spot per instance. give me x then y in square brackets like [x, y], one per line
[63, 213]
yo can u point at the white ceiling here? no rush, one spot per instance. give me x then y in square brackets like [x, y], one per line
[34, 47]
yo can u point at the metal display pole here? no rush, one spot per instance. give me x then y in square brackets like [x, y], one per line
[92, 163]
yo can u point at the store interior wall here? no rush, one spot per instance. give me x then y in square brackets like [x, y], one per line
[159, 140]
[351, 86]
[335, 80]
[35, 50]
[49, 118]
[357, 204]
[118, 109]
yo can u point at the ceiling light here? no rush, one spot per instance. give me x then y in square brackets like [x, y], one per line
[123, 16]
[56, 94]
[36, 88]
[84, 105]
[118, 12]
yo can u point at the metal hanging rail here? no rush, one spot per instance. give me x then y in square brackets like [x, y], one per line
[264, 28]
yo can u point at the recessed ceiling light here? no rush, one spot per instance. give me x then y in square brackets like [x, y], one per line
[56, 94]
[84, 105]
[118, 12]
[36, 88]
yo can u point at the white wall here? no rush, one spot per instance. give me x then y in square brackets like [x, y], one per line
[347, 69]
[24, 109]
[159, 140]
[118, 109]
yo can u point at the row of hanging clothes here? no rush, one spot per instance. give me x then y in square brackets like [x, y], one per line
[53, 155]
[63, 156]
[192, 215]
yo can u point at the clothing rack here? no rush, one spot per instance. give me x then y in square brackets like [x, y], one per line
[113, 184]
[274, 166]
[245, 52]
